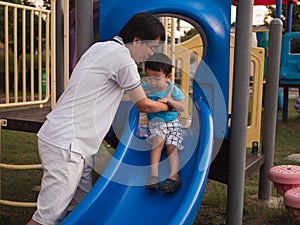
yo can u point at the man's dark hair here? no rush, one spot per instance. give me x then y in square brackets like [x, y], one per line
[159, 62]
[144, 26]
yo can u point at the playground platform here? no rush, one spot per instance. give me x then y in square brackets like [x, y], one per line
[27, 119]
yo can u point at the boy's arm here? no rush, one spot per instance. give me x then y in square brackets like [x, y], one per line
[144, 104]
[178, 105]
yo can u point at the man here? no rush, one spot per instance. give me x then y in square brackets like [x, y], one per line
[75, 128]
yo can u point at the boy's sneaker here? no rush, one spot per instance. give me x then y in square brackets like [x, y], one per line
[170, 185]
[152, 183]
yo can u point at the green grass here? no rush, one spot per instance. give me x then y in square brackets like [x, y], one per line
[18, 185]
[21, 148]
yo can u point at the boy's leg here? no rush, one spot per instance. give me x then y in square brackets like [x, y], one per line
[174, 144]
[174, 161]
[155, 155]
[62, 173]
[173, 183]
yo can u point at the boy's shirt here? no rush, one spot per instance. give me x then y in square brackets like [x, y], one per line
[155, 95]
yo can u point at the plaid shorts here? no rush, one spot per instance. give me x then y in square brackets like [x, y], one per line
[170, 131]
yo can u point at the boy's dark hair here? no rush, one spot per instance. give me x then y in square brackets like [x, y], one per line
[144, 26]
[159, 62]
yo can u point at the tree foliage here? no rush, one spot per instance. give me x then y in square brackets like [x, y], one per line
[19, 25]
[295, 16]
[189, 34]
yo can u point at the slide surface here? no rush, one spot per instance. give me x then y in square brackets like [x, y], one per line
[119, 195]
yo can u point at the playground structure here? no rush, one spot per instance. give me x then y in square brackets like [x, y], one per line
[208, 106]
[194, 45]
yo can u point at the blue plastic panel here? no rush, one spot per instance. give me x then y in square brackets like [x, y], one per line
[290, 61]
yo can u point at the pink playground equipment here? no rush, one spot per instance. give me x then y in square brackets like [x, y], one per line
[286, 179]
[292, 200]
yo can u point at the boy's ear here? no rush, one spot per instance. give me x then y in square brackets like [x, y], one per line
[169, 76]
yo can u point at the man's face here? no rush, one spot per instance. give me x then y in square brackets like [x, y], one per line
[140, 50]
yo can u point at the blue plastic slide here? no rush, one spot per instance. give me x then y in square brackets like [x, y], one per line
[119, 195]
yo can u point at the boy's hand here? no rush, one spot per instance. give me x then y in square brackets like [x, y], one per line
[168, 97]
[171, 106]
[174, 105]
[168, 100]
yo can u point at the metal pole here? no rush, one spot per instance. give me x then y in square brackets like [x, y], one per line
[59, 49]
[270, 107]
[53, 53]
[237, 151]
[84, 26]
[66, 43]
[289, 20]
[278, 8]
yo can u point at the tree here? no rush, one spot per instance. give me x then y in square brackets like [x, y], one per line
[189, 34]
[295, 16]
[19, 25]
[10, 22]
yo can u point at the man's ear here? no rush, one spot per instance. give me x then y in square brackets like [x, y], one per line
[136, 40]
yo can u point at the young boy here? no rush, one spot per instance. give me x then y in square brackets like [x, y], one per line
[164, 128]
[75, 128]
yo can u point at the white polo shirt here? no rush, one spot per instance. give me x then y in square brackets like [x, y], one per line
[85, 111]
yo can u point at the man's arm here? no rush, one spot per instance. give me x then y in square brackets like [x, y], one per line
[144, 104]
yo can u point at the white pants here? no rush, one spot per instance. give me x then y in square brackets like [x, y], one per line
[66, 179]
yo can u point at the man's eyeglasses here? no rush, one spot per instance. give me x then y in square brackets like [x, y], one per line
[154, 49]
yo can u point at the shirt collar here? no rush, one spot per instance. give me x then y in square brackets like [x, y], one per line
[118, 39]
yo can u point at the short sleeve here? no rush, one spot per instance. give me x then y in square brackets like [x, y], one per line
[128, 77]
[177, 93]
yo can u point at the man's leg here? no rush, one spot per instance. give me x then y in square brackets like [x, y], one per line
[62, 173]
[84, 185]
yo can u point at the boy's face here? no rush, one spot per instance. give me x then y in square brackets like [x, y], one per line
[140, 50]
[157, 80]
